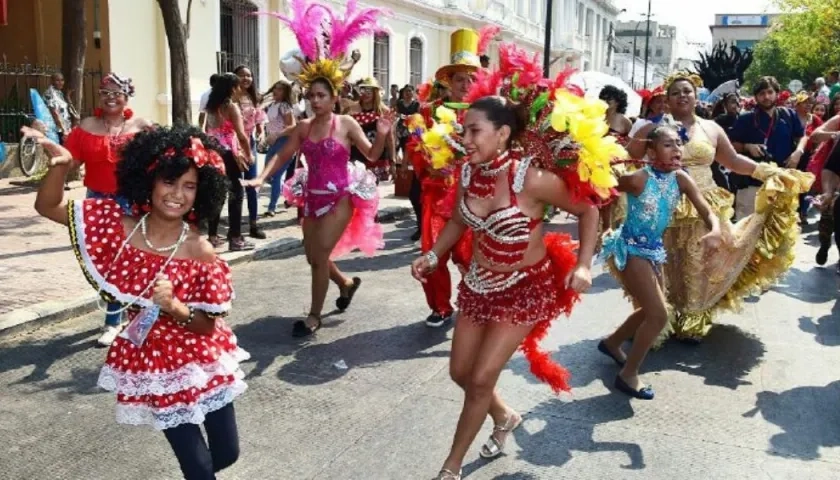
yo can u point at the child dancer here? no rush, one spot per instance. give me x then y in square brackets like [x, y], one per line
[176, 366]
[636, 250]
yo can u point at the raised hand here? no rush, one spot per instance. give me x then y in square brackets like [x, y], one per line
[385, 123]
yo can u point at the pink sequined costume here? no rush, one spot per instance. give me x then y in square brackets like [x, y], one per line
[329, 177]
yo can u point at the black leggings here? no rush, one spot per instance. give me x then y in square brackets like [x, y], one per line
[830, 224]
[237, 193]
[198, 462]
[414, 197]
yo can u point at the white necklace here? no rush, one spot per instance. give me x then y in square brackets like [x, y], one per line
[99, 302]
[170, 248]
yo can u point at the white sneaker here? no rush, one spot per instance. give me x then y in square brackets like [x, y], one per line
[109, 334]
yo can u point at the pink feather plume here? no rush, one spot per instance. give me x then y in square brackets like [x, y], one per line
[485, 36]
[514, 59]
[355, 23]
[306, 23]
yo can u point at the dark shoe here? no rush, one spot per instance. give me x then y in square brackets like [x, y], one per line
[343, 303]
[216, 241]
[301, 329]
[436, 320]
[256, 232]
[240, 245]
[822, 254]
[269, 213]
[602, 347]
[415, 236]
[645, 393]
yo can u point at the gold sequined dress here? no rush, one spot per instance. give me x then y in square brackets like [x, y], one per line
[758, 250]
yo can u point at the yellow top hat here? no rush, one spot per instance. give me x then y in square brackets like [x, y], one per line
[464, 54]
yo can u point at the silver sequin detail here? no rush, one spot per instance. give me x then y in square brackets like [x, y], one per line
[521, 171]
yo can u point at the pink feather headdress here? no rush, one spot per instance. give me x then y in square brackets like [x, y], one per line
[325, 36]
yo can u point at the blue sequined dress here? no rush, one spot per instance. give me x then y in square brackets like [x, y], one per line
[648, 215]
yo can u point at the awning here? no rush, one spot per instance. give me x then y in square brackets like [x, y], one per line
[4, 15]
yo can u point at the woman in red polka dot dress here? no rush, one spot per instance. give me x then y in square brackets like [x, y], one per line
[367, 112]
[176, 366]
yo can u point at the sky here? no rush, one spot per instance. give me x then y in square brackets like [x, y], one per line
[692, 18]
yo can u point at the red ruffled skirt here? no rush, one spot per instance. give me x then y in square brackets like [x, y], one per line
[534, 295]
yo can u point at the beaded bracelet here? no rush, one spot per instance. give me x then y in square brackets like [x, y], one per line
[432, 257]
[189, 319]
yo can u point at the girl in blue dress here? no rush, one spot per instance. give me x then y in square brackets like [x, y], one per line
[635, 251]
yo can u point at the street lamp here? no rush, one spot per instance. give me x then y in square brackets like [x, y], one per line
[549, 5]
[647, 44]
[647, 38]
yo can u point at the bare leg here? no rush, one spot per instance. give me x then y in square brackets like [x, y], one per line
[623, 333]
[343, 281]
[647, 291]
[498, 344]
[466, 341]
[320, 235]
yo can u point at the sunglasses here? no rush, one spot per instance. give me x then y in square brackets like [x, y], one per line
[110, 94]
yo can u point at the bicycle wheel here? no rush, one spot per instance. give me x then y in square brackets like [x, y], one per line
[29, 155]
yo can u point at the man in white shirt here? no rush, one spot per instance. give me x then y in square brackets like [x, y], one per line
[202, 103]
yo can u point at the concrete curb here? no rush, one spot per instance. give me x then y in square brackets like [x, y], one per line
[34, 316]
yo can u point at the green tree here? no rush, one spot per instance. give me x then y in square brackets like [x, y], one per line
[770, 58]
[808, 33]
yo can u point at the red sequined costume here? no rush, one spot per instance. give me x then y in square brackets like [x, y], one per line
[438, 192]
[176, 376]
[531, 295]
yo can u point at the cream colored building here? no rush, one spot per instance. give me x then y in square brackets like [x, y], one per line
[741, 30]
[223, 34]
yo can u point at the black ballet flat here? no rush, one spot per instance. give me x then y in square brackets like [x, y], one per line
[343, 303]
[644, 393]
[301, 329]
[602, 347]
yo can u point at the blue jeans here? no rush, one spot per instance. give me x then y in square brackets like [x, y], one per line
[251, 192]
[281, 175]
[112, 319]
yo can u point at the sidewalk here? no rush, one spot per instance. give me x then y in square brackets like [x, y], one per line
[43, 283]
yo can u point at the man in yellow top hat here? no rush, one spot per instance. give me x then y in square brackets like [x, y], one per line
[458, 76]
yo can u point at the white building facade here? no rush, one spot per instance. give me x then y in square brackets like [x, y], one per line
[224, 34]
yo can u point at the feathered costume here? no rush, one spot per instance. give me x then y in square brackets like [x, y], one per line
[324, 38]
[566, 136]
[439, 182]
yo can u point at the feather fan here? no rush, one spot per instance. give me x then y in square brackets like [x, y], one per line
[355, 23]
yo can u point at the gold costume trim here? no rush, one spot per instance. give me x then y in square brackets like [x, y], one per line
[758, 251]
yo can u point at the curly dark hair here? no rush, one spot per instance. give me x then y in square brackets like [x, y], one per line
[611, 92]
[142, 164]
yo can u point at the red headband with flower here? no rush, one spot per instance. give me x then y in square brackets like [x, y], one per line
[648, 95]
[198, 153]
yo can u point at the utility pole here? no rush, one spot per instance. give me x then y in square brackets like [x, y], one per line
[549, 4]
[647, 44]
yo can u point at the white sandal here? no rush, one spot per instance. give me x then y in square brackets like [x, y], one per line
[446, 474]
[493, 448]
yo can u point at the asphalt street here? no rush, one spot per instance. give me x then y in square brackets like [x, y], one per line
[370, 396]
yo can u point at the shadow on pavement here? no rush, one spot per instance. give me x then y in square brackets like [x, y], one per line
[314, 364]
[724, 358]
[808, 416]
[42, 355]
[826, 329]
[576, 420]
[817, 285]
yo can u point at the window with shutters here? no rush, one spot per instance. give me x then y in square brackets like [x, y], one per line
[382, 60]
[415, 76]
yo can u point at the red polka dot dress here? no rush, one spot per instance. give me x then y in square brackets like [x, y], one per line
[176, 376]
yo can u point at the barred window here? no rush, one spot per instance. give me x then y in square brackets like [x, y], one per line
[382, 60]
[415, 62]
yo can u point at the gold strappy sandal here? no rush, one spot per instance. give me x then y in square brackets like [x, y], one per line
[493, 448]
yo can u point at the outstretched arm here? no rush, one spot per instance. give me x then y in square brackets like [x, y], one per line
[449, 236]
[49, 203]
[277, 161]
[725, 153]
[550, 189]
